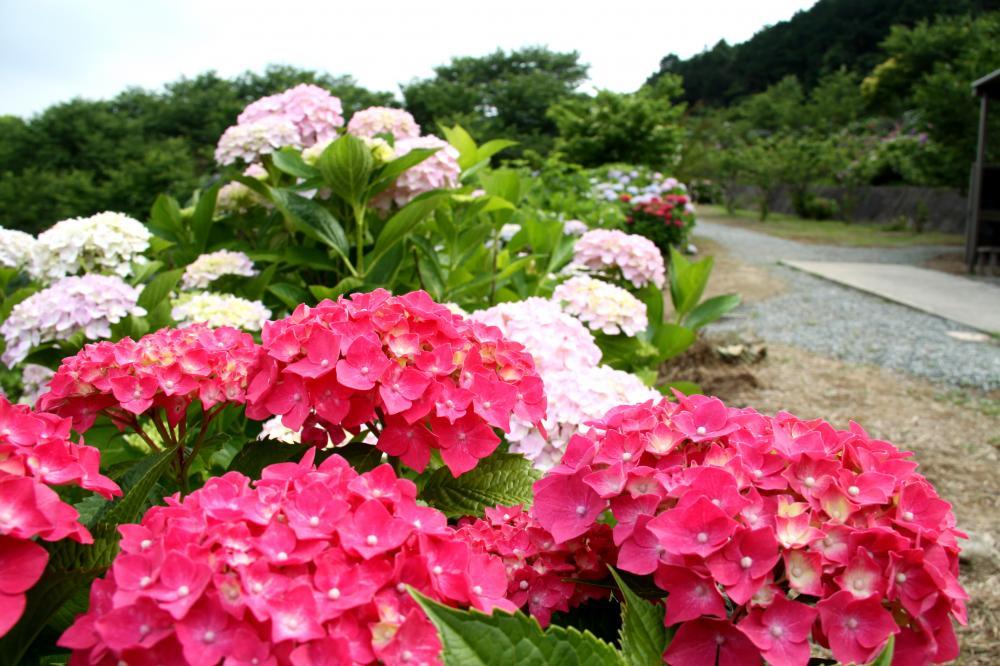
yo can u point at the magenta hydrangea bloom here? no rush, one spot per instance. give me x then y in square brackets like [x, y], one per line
[764, 531]
[37, 453]
[439, 171]
[383, 120]
[309, 564]
[426, 377]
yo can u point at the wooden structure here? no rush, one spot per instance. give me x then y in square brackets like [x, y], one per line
[982, 236]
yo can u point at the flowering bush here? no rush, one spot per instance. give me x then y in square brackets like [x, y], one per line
[602, 306]
[210, 267]
[220, 310]
[315, 113]
[433, 380]
[440, 170]
[306, 565]
[16, 248]
[377, 120]
[37, 453]
[542, 576]
[666, 221]
[89, 304]
[102, 243]
[163, 372]
[766, 531]
[635, 257]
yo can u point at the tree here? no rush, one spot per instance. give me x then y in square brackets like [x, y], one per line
[501, 95]
[638, 128]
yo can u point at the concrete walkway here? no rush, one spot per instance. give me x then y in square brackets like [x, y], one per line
[973, 303]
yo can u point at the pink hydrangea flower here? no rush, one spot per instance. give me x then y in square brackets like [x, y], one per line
[602, 306]
[735, 514]
[427, 378]
[612, 251]
[313, 111]
[542, 576]
[439, 171]
[309, 564]
[383, 120]
[250, 141]
[166, 370]
[37, 453]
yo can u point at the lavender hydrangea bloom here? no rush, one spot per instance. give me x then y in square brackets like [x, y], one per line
[34, 382]
[89, 304]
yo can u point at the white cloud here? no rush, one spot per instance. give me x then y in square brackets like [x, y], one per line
[53, 50]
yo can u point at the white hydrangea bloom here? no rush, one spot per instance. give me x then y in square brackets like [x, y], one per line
[220, 310]
[89, 304]
[602, 306]
[106, 243]
[16, 248]
[210, 267]
[247, 142]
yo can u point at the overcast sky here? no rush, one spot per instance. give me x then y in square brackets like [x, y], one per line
[53, 50]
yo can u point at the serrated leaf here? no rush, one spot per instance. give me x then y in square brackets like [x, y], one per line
[346, 166]
[501, 478]
[472, 638]
[643, 636]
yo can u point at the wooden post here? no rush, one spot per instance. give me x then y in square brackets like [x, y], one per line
[975, 200]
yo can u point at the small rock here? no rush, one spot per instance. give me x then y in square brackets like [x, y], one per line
[980, 547]
[969, 336]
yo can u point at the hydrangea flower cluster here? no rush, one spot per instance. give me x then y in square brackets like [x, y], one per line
[16, 248]
[575, 398]
[210, 267]
[665, 220]
[313, 111]
[308, 565]
[88, 304]
[102, 243]
[37, 453]
[541, 574]
[639, 182]
[34, 382]
[602, 306]
[383, 120]
[574, 228]
[577, 389]
[250, 141]
[764, 531]
[636, 257]
[220, 310]
[167, 369]
[440, 170]
[431, 379]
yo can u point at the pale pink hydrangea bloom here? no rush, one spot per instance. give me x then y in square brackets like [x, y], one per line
[249, 141]
[315, 113]
[383, 120]
[602, 306]
[438, 171]
[635, 256]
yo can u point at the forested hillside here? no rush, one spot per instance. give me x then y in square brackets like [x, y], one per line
[830, 35]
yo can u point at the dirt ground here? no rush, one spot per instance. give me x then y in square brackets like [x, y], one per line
[954, 434]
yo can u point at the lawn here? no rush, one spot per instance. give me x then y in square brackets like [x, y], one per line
[827, 232]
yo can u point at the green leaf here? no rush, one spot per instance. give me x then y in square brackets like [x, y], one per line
[258, 454]
[165, 219]
[313, 220]
[643, 636]
[672, 340]
[290, 161]
[491, 148]
[710, 310]
[159, 288]
[505, 183]
[687, 388]
[687, 281]
[468, 152]
[885, 658]
[388, 174]
[144, 271]
[652, 296]
[347, 284]
[346, 165]
[501, 478]
[404, 222]
[72, 566]
[203, 216]
[290, 294]
[14, 299]
[472, 638]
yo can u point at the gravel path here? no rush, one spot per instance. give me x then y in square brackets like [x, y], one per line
[848, 324]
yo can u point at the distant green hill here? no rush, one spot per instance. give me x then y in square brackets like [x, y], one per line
[831, 34]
